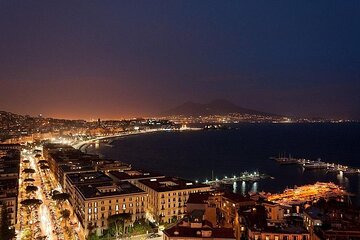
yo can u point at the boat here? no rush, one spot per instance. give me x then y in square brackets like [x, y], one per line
[286, 160]
[315, 165]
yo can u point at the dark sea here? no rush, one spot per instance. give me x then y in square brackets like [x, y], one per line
[246, 147]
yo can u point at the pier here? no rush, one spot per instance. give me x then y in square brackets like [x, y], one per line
[318, 164]
[244, 176]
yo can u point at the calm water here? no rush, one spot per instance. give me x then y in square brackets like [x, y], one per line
[195, 154]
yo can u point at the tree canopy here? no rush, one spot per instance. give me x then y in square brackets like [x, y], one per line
[29, 189]
[29, 180]
[60, 197]
[43, 161]
[65, 214]
[44, 167]
[31, 202]
[29, 170]
[118, 220]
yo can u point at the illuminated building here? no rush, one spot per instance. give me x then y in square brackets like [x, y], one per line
[259, 228]
[133, 175]
[194, 227]
[168, 196]
[94, 203]
[9, 180]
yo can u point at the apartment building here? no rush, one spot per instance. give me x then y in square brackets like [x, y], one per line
[168, 196]
[9, 180]
[94, 203]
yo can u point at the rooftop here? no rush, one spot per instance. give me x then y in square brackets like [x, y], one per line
[88, 178]
[198, 198]
[107, 189]
[204, 232]
[76, 167]
[171, 184]
[134, 175]
[314, 213]
[236, 197]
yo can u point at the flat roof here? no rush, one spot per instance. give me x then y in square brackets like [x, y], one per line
[76, 168]
[236, 197]
[88, 177]
[108, 189]
[198, 198]
[171, 184]
[134, 175]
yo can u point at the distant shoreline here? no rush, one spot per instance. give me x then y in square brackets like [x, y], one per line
[83, 145]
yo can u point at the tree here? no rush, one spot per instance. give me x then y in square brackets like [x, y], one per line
[60, 198]
[65, 215]
[43, 162]
[29, 180]
[140, 227]
[31, 189]
[173, 219]
[5, 231]
[29, 171]
[54, 192]
[90, 228]
[117, 220]
[31, 203]
[44, 167]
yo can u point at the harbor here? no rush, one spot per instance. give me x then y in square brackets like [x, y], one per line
[316, 165]
[244, 176]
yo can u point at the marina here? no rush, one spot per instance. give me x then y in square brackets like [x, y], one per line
[244, 176]
[316, 165]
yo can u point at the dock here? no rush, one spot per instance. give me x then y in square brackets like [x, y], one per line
[244, 176]
[317, 165]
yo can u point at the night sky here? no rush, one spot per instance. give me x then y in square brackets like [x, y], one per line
[109, 59]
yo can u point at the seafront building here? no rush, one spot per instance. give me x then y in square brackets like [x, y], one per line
[134, 175]
[94, 203]
[83, 178]
[168, 196]
[64, 159]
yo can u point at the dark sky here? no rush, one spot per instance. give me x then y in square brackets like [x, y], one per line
[108, 59]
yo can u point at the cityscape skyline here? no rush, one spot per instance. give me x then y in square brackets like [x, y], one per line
[176, 120]
[127, 59]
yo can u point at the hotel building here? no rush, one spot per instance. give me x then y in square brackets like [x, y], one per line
[168, 196]
[94, 203]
